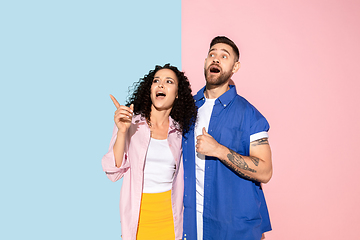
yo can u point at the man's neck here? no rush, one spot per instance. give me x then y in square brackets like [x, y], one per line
[212, 91]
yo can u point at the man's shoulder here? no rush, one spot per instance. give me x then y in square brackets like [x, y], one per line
[240, 101]
[245, 107]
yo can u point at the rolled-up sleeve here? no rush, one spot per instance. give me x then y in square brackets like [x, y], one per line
[108, 161]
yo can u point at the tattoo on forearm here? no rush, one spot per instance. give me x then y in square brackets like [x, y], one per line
[262, 141]
[239, 161]
[255, 160]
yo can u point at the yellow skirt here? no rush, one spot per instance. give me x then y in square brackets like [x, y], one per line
[156, 218]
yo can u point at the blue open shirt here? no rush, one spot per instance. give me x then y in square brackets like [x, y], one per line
[234, 207]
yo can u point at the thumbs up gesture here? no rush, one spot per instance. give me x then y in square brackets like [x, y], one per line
[206, 144]
[123, 115]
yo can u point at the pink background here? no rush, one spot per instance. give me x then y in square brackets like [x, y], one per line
[300, 68]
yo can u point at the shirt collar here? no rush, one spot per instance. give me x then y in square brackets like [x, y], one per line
[138, 119]
[224, 99]
[172, 126]
[199, 95]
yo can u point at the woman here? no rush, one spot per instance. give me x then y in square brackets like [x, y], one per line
[145, 149]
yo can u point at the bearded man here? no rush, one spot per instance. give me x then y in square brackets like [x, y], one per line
[226, 157]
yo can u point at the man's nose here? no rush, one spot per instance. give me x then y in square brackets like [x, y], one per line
[216, 60]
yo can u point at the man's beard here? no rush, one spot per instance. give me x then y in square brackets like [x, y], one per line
[217, 80]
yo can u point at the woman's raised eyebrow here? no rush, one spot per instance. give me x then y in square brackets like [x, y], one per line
[165, 78]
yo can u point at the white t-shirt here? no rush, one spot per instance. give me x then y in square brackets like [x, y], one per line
[203, 120]
[159, 168]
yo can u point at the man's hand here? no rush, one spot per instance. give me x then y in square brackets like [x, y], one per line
[123, 115]
[207, 145]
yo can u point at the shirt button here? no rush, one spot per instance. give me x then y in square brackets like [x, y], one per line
[185, 160]
[224, 105]
[185, 141]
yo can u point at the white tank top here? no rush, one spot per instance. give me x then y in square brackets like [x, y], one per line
[159, 167]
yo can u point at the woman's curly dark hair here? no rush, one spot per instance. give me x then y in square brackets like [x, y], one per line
[184, 110]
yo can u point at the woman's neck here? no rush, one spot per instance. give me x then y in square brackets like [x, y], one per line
[159, 117]
[159, 124]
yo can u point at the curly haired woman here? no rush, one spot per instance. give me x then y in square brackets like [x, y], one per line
[145, 149]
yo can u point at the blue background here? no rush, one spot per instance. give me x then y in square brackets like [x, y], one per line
[59, 61]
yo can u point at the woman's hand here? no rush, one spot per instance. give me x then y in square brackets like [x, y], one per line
[123, 115]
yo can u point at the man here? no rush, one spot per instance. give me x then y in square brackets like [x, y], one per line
[226, 157]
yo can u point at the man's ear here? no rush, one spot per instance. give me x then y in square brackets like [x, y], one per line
[236, 67]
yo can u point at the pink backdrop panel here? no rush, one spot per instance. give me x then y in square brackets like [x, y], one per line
[300, 68]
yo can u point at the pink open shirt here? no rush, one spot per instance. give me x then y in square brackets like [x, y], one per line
[132, 169]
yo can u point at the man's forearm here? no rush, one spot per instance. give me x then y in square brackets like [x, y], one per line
[249, 167]
[256, 167]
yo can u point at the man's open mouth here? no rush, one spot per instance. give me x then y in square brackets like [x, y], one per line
[214, 69]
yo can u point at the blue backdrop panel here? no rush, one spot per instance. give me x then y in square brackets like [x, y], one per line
[59, 61]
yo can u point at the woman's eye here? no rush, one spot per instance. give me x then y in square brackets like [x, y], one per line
[224, 56]
[169, 81]
[155, 81]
